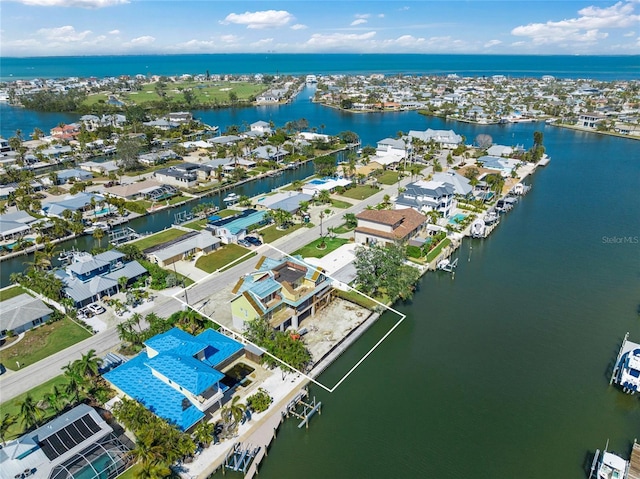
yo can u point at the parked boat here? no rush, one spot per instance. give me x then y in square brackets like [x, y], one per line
[446, 265]
[65, 255]
[478, 228]
[626, 371]
[491, 217]
[231, 198]
[95, 226]
[607, 465]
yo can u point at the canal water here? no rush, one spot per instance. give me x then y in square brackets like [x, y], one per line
[501, 372]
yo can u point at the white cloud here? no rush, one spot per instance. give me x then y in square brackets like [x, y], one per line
[359, 21]
[74, 3]
[114, 32]
[362, 15]
[64, 34]
[259, 20]
[262, 43]
[230, 38]
[142, 41]
[629, 34]
[492, 43]
[338, 40]
[584, 29]
[299, 26]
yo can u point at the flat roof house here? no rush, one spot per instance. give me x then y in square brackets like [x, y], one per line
[233, 228]
[177, 376]
[78, 444]
[21, 313]
[283, 292]
[388, 226]
[184, 175]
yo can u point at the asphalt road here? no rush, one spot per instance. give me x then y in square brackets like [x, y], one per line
[15, 383]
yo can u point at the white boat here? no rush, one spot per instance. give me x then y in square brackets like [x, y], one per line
[311, 79]
[95, 226]
[478, 228]
[491, 217]
[446, 265]
[231, 198]
[608, 466]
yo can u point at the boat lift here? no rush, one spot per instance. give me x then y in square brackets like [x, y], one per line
[308, 410]
[239, 458]
[448, 266]
[122, 235]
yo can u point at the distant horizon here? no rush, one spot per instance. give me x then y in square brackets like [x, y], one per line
[326, 53]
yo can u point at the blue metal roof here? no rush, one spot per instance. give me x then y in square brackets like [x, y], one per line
[136, 380]
[176, 341]
[220, 347]
[186, 371]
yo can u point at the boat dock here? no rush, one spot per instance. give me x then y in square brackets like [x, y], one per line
[122, 235]
[634, 462]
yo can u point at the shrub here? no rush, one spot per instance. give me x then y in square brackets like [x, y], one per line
[414, 252]
[259, 401]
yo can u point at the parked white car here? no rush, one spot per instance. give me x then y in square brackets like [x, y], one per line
[96, 308]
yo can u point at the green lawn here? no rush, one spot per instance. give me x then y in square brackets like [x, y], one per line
[12, 406]
[204, 92]
[357, 298]
[158, 238]
[11, 293]
[271, 233]
[312, 251]
[343, 228]
[436, 251]
[221, 257]
[42, 342]
[360, 192]
[388, 177]
[178, 199]
[197, 224]
[340, 204]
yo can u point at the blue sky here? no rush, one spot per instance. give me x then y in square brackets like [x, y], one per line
[92, 27]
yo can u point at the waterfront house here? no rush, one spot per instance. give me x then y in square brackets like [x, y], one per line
[177, 376]
[269, 153]
[395, 147]
[424, 196]
[75, 444]
[461, 185]
[184, 175]
[78, 202]
[444, 138]
[504, 151]
[180, 117]
[89, 278]
[591, 120]
[157, 158]
[65, 132]
[233, 228]
[504, 165]
[21, 313]
[288, 201]
[103, 168]
[184, 247]
[315, 186]
[284, 292]
[15, 225]
[261, 127]
[149, 189]
[388, 226]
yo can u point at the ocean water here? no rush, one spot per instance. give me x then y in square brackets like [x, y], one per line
[561, 66]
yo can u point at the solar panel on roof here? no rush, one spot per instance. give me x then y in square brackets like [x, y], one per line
[66, 438]
[91, 424]
[83, 429]
[48, 450]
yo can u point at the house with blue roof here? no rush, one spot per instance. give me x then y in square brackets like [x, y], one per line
[177, 376]
[284, 292]
[89, 278]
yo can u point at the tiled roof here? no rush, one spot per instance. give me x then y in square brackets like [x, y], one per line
[191, 374]
[407, 220]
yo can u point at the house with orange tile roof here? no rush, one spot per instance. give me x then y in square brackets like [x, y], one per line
[388, 226]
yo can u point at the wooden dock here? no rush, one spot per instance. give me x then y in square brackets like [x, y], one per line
[634, 462]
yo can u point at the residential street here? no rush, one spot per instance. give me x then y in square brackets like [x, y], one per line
[14, 383]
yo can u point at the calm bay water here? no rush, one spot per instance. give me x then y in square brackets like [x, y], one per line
[501, 372]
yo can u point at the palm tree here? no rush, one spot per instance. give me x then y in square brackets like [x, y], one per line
[57, 399]
[152, 470]
[6, 422]
[203, 433]
[89, 364]
[30, 413]
[76, 381]
[232, 414]
[99, 234]
[148, 449]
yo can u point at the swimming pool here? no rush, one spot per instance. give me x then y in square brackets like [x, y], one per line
[457, 218]
[317, 182]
